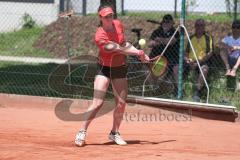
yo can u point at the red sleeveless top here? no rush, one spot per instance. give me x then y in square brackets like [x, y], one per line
[102, 38]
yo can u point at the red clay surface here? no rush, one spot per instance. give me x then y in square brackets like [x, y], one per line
[29, 129]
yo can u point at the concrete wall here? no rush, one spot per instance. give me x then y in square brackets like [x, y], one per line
[11, 14]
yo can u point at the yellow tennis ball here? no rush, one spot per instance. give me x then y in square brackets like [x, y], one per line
[142, 42]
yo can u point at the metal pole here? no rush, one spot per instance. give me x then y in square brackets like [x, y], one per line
[175, 8]
[61, 6]
[84, 7]
[181, 51]
[68, 45]
[122, 7]
[68, 5]
[235, 9]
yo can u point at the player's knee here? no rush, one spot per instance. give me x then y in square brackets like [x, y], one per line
[97, 103]
[121, 105]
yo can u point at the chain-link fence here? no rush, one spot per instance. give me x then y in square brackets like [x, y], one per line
[33, 29]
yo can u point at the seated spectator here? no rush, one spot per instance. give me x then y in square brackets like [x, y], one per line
[203, 47]
[159, 40]
[230, 50]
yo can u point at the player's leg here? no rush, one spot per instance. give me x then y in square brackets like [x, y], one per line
[120, 88]
[224, 57]
[235, 67]
[101, 84]
[200, 82]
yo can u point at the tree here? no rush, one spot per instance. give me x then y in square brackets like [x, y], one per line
[175, 8]
[235, 8]
[232, 7]
[228, 7]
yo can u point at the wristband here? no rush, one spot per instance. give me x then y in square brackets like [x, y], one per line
[140, 53]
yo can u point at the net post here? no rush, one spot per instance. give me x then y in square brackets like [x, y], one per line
[181, 51]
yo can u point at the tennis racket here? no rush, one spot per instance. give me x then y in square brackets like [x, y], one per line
[158, 66]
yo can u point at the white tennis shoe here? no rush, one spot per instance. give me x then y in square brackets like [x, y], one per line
[117, 138]
[80, 138]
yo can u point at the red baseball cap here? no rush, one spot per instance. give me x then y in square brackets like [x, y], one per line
[105, 11]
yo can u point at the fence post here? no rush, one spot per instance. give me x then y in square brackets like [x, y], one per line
[122, 7]
[181, 51]
[235, 9]
[61, 6]
[84, 7]
[175, 8]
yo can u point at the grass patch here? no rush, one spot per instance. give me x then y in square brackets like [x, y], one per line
[20, 43]
[221, 90]
[220, 17]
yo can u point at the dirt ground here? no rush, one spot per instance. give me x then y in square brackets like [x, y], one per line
[30, 129]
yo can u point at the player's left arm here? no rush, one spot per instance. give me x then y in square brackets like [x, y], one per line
[127, 49]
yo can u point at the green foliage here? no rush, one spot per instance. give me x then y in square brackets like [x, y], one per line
[28, 21]
[21, 43]
[219, 17]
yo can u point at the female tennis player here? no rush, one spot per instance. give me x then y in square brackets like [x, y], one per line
[110, 40]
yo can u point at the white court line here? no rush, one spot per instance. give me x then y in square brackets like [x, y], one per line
[32, 59]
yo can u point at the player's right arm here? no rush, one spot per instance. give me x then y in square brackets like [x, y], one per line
[128, 49]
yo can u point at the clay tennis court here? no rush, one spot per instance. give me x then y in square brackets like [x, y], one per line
[29, 129]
